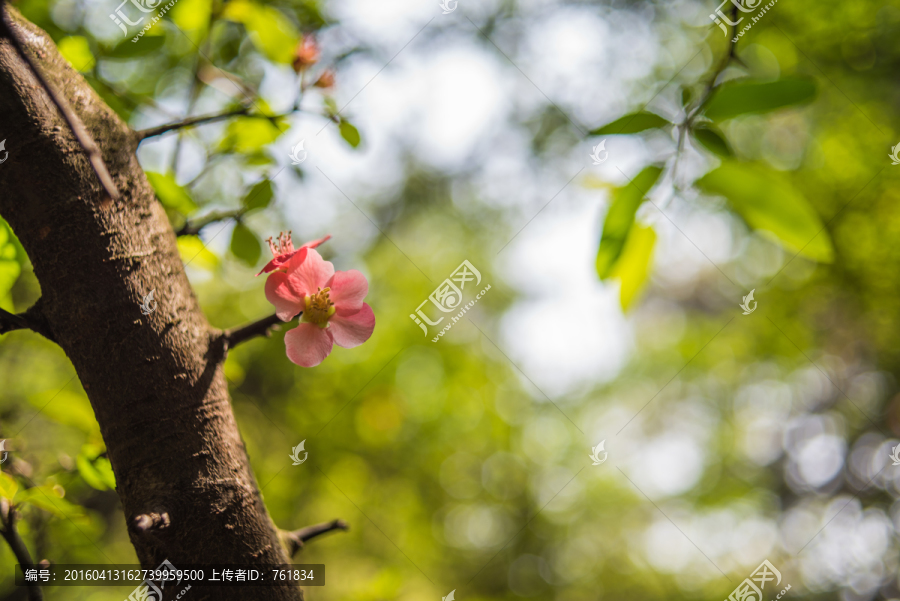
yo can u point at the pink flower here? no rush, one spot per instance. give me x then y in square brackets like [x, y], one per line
[331, 302]
[283, 251]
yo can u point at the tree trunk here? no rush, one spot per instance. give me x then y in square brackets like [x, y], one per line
[155, 382]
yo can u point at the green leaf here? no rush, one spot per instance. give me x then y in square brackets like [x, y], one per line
[686, 96]
[270, 30]
[89, 473]
[740, 97]
[48, 499]
[77, 51]
[767, 201]
[104, 468]
[94, 469]
[631, 124]
[259, 195]
[8, 486]
[10, 269]
[249, 135]
[145, 45]
[195, 253]
[633, 265]
[192, 16]
[350, 134]
[67, 408]
[170, 194]
[712, 139]
[244, 244]
[620, 217]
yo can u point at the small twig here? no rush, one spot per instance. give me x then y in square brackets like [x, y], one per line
[296, 538]
[192, 228]
[143, 134]
[11, 534]
[75, 124]
[263, 327]
[726, 60]
[10, 322]
[32, 319]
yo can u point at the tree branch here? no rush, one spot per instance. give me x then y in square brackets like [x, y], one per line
[78, 130]
[32, 319]
[294, 540]
[192, 228]
[143, 134]
[263, 327]
[15, 542]
[159, 130]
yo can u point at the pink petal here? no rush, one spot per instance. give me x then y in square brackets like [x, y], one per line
[308, 344]
[279, 293]
[315, 243]
[348, 289]
[306, 277]
[296, 256]
[353, 329]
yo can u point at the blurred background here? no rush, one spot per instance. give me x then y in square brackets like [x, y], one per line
[465, 132]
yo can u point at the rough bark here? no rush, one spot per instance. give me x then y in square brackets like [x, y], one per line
[155, 381]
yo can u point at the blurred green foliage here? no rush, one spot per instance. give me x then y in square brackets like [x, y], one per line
[453, 469]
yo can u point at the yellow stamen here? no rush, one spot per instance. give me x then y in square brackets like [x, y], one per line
[319, 308]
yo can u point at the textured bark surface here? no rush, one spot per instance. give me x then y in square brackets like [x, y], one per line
[155, 382]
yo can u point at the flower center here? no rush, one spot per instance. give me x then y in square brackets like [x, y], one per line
[319, 308]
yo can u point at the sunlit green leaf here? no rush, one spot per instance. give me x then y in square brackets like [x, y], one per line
[631, 124]
[10, 268]
[767, 201]
[77, 51]
[192, 16]
[8, 486]
[194, 252]
[48, 499]
[249, 134]
[105, 470]
[739, 97]
[350, 134]
[259, 195]
[270, 30]
[620, 217]
[634, 263]
[68, 408]
[89, 473]
[170, 194]
[244, 244]
[712, 139]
